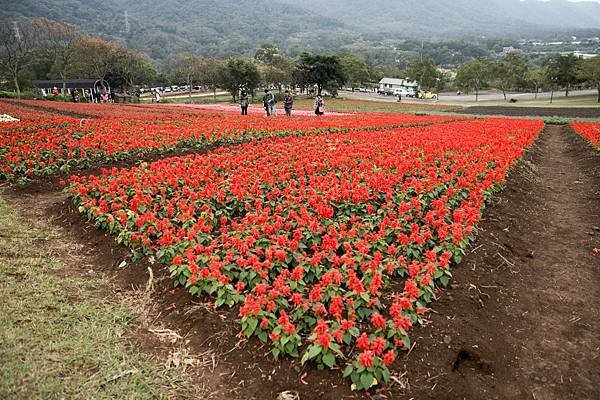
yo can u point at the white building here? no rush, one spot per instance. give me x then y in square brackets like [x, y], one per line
[392, 83]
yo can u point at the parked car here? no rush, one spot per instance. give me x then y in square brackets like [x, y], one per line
[386, 91]
[426, 94]
[168, 89]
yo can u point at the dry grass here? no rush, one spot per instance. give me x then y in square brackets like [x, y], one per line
[60, 337]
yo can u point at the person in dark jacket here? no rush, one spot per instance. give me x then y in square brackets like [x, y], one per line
[288, 103]
[244, 102]
[319, 105]
[266, 103]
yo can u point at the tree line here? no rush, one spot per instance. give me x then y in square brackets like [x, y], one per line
[512, 72]
[44, 49]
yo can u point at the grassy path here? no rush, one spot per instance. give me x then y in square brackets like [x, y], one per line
[59, 338]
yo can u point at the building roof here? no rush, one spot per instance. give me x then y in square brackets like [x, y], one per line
[71, 83]
[398, 82]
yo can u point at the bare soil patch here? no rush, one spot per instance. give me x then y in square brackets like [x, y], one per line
[515, 111]
[520, 320]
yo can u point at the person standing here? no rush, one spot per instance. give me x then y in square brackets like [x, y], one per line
[270, 100]
[244, 102]
[157, 96]
[288, 103]
[319, 105]
[266, 103]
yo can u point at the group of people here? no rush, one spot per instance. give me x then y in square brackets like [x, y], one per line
[91, 96]
[270, 103]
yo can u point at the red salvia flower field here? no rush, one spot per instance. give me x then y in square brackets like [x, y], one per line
[45, 143]
[589, 131]
[331, 242]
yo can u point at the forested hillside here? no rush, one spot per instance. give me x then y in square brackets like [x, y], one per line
[431, 18]
[208, 27]
[225, 28]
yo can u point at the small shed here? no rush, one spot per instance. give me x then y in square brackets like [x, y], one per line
[80, 84]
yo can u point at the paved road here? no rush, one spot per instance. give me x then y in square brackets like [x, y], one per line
[452, 98]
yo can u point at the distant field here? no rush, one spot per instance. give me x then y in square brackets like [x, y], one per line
[561, 101]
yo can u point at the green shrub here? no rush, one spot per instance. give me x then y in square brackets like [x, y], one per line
[26, 95]
[556, 121]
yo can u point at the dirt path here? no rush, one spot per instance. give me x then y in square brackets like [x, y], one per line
[522, 320]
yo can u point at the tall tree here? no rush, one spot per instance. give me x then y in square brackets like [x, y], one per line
[589, 71]
[355, 69]
[567, 65]
[95, 58]
[132, 68]
[535, 79]
[58, 42]
[18, 41]
[509, 72]
[276, 68]
[211, 72]
[186, 68]
[268, 54]
[324, 71]
[423, 71]
[473, 74]
[239, 73]
[552, 73]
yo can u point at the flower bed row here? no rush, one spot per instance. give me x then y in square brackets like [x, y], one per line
[43, 147]
[332, 244]
[23, 113]
[111, 111]
[589, 131]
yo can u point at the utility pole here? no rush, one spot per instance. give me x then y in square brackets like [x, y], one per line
[422, 45]
[17, 33]
[126, 22]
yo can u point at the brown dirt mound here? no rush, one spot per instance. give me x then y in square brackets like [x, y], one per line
[568, 112]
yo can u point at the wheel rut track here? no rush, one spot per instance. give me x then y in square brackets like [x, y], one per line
[524, 301]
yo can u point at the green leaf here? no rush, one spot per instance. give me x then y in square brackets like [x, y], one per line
[310, 353]
[348, 370]
[252, 323]
[275, 352]
[329, 359]
[444, 280]
[366, 380]
[385, 373]
[263, 336]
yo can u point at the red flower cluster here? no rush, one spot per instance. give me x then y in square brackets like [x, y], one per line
[308, 232]
[15, 110]
[62, 143]
[589, 131]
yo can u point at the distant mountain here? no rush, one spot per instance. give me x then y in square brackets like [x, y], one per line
[223, 28]
[164, 27]
[429, 18]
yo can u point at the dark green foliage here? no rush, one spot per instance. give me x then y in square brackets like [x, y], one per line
[379, 30]
[326, 72]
